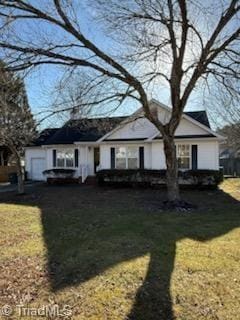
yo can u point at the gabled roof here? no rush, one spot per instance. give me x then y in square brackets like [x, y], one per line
[83, 130]
[97, 129]
[199, 118]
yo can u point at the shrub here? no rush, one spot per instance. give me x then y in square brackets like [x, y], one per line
[60, 176]
[59, 173]
[146, 177]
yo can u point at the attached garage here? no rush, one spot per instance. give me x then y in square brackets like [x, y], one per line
[37, 167]
[35, 160]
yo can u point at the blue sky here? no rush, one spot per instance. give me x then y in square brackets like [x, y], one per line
[41, 82]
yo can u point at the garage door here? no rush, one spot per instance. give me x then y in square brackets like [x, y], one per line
[38, 166]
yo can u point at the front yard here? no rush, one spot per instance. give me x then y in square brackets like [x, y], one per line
[112, 254]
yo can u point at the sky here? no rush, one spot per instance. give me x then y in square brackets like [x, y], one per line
[41, 82]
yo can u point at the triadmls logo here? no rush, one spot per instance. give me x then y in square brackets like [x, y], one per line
[47, 311]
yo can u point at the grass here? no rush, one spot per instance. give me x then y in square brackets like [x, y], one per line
[112, 254]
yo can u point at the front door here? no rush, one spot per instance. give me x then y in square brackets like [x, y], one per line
[96, 158]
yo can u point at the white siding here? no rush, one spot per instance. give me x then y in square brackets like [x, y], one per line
[105, 162]
[140, 128]
[143, 128]
[147, 155]
[154, 157]
[208, 155]
[158, 157]
[187, 128]
[49, 153]
[90, 161]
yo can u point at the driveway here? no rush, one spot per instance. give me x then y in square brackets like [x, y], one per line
[7, 187]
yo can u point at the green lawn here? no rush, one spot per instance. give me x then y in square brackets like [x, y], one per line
[113, 254]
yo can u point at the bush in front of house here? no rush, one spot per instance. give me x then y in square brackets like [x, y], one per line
[155, 178]
[60, 176]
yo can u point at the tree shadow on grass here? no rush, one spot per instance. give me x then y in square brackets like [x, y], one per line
[91, 230]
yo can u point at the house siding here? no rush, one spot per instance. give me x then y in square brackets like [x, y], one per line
[158, 157]
[147, 155]
[154, 157]
[133, 134]
[140, 128]
[187, 128]
[208, 155]
[105, 156]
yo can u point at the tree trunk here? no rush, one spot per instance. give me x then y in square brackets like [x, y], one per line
[20, 175]
[172, 170]
[20, 179]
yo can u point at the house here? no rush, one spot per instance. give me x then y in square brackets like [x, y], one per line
[89, 145]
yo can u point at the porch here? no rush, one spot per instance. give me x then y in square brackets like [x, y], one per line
[71, 164]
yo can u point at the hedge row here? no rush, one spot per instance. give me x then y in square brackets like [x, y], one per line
[147, 177]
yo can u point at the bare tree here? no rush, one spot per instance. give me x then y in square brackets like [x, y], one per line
[224, 106]
[17, 127]
[224, 110]
[82, 94]
[181, 42]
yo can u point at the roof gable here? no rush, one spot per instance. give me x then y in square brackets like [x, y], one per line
[193, 124]
[135, 127]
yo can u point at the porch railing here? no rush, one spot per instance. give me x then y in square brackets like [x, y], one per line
[84, 172]
[98, 168]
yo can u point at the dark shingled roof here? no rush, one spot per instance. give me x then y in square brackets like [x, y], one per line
[88, 130]
[44, 136]
[200, 116]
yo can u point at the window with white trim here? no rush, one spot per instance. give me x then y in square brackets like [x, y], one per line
[126, 158]
[183, 156]
[65, 158]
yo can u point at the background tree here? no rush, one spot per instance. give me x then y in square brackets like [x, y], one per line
[17, 126]
[224, 111]
[181, 43]
[232, 142]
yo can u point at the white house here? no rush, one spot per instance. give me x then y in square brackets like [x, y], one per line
[88, 145]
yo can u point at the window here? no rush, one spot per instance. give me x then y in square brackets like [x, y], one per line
[183, 156]
[121, 158]
[69, 158]
[65, 158]
[127, 158]
[132, 158]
